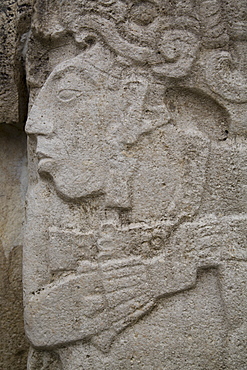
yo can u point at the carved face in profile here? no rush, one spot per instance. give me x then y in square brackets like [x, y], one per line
[82, 120]
[70, 120]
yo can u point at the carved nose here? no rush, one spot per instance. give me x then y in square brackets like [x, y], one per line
[38, 123]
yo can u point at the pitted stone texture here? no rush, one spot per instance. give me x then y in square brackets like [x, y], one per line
[13, 344]
[14, 23]
[183, 339]
[136, 215]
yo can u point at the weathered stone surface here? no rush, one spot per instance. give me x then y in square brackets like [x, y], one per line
[14, 27]
[13, 181]
[135, 243]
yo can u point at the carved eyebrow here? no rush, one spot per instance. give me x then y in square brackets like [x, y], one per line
[60, 74]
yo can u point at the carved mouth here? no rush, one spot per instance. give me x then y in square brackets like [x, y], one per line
[45, 164]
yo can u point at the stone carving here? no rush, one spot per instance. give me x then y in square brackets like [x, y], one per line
[232, 83]
[125, 135]
[146, 35]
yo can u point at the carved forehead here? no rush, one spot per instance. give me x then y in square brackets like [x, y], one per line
[78, 73]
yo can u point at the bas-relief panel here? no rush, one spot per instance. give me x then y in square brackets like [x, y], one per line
[136, 204]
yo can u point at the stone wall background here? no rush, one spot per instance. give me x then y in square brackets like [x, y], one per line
[47, 47]
[14, 23]
[13, 344]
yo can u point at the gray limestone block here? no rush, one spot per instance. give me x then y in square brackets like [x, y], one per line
[15, 18]
[135, 235]
[13, 181]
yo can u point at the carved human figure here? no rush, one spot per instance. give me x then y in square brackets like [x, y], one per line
[95, 140]
[115, 133]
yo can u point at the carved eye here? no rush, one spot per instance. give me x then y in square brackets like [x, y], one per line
[68, 94]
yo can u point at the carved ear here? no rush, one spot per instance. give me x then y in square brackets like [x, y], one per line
[225, 79]
[193, 109]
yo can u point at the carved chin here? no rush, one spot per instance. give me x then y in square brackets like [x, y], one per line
[68, 191]
[71, 188]
[69, 182]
